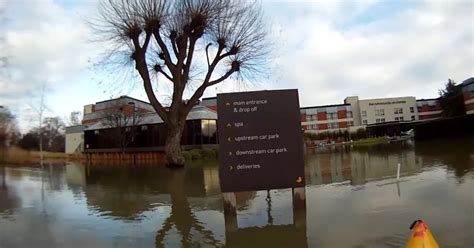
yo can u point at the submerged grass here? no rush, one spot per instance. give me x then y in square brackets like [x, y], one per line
[370, 141]
[16, 155]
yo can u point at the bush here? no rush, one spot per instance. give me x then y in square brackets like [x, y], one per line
[187, 155]
[195, 154]
[208, 153]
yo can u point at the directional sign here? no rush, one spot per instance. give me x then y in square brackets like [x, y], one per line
[260, 140]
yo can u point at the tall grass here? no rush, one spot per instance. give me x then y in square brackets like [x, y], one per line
[16, 155]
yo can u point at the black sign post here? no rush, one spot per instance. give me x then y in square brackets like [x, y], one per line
[260, 141]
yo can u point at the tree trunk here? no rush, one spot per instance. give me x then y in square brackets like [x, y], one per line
[174, 154]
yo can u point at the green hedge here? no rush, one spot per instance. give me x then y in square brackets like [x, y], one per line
[196, 154]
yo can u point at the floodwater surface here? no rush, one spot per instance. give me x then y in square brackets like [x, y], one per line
[352, 200]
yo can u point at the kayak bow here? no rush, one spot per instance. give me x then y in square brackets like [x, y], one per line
[421, 236]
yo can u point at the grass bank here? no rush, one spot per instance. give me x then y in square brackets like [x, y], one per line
[197, 154]
[370, 141]
[16, 155]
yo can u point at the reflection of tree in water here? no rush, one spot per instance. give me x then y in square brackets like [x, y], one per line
[456, 153]
[181, 216]
[8, 201]
[122, 192]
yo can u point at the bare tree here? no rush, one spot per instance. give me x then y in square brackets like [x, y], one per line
[166, 39]
[7, 129]
[74, 118]
[123, 123]
[53, 132]
[39, 108]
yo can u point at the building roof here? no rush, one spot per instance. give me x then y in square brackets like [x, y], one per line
[197, 113]
[121, 97]
[75, 129]
[468, 81]
[209, 98]
[429, 99]
[326, 106]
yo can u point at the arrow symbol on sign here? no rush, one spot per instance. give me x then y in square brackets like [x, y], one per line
[299, 180]
[228, 125]
[227, 104]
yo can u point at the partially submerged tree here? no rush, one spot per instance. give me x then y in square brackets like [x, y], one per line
[124, 124]
[167, 38]
[7, 130]
[451, 100]
[53, 132]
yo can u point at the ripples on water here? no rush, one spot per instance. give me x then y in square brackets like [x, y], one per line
[352, 200]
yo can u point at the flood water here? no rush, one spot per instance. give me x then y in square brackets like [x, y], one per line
[352, 200]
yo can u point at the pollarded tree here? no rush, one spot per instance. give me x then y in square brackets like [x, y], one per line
[168, 38]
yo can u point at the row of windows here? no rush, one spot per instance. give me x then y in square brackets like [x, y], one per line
[381, 120]
[334, 125]
[381, 112]
[329, 116]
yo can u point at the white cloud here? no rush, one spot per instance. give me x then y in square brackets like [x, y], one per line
[44, 43]
[321, 48]
[411, 53]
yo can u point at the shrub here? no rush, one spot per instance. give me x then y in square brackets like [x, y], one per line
[187, 155]
[195, 154]
[208, 153]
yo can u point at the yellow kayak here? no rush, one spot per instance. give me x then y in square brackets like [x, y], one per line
[421, 236]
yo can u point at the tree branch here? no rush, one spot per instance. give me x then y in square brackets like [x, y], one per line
[147, 41]
[224, 77]
[189, 60]
[164, 50]
[166, 75]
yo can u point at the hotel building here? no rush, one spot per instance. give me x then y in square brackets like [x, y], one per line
[374, 111]
[324, 118]
[468, 94]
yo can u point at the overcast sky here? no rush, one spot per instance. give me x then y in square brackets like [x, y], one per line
[326, 49]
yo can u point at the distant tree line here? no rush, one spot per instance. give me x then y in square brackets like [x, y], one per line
[52, 131]
[340, 135]
[451, 99]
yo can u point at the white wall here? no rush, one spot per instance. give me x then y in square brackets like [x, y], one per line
[74, 142]
[388, 106]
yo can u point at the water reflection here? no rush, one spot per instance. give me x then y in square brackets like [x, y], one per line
[352, 199]
[9, 201]
[360, 165]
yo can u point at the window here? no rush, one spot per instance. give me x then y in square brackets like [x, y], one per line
[377, 120]
[398, 111]
[332, 116]
[419, 109]
[401, 118]
[379, 112]
[315, 127]
[349, 114]
[412, 110]
[350, 123]
[333, 125]
[364, 122]
[397, 119]
[412, 117]
[364, 113]
[144, 128]
[382, 120]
